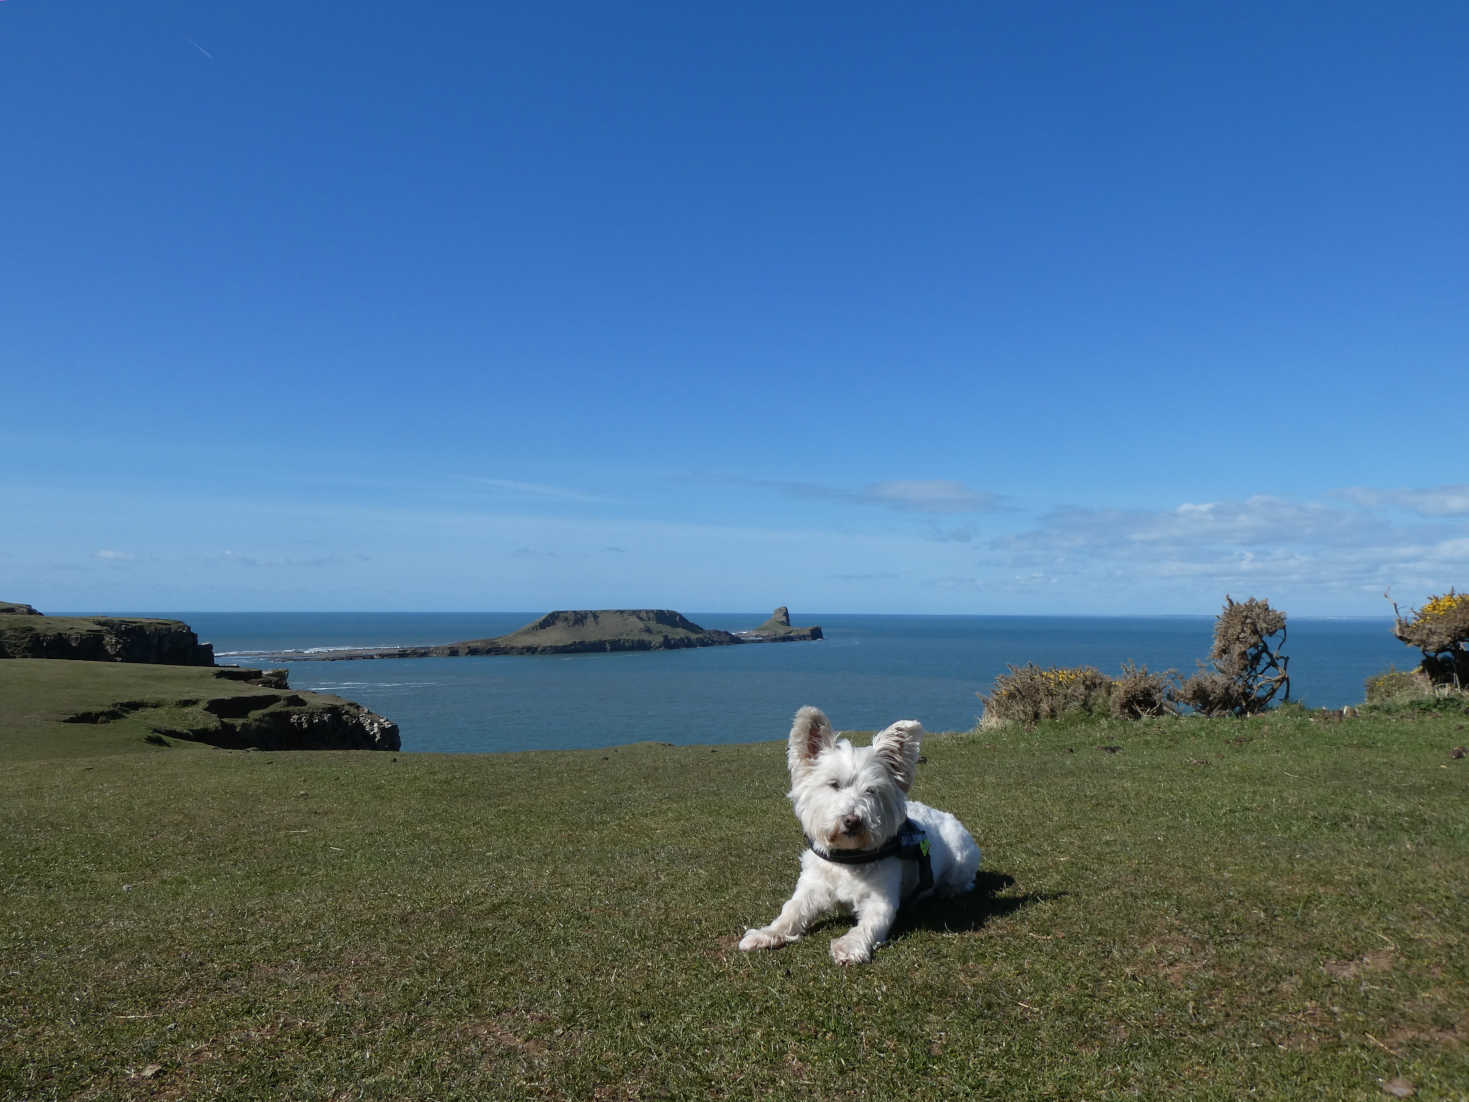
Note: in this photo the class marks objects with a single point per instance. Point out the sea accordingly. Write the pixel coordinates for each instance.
(867, 672)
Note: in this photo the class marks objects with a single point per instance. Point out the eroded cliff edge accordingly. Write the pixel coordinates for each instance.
(224, 706)
(155, 677)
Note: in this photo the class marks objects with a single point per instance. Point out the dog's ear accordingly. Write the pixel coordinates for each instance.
(811, 736)
(897, 749)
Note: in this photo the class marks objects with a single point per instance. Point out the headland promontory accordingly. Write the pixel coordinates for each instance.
(588, 631)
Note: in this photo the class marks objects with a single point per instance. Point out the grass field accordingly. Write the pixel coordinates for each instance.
(1273, 908)
(52, 709)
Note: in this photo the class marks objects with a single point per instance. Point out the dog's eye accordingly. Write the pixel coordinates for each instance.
(832, 784)
(869, 792)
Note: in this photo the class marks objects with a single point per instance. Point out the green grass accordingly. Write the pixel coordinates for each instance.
(138, 700)
(1273, 907)
(37, 695)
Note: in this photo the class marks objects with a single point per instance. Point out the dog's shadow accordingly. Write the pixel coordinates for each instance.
(970, 911)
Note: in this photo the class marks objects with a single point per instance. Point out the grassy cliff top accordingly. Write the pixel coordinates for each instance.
(14, 614)
(55, 709)
(26, 633)
(1203, 908)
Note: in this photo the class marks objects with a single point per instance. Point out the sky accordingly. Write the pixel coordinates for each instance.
(1045, 308)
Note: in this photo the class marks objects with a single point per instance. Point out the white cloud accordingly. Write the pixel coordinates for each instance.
(1439, 501)
(1258, 521)
(1258, 544)
(109, 555)
(934, 496)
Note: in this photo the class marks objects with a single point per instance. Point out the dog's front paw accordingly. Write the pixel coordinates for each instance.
(851, 948)
(762, 939)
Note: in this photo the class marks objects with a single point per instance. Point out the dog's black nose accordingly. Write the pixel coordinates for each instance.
(851, 823)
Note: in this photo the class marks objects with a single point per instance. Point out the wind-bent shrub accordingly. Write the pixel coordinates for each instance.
(1029, 694)
(1395, 685)
(1248, 671)
(1248, 666)
(1440, 629)
(1136, 693)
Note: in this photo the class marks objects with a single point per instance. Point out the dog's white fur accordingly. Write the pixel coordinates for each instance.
(855, 798)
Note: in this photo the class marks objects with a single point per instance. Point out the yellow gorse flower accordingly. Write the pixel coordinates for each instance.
(1438, 606)
(1055, 677)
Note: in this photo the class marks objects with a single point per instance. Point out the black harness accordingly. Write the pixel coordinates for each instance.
(910, 843)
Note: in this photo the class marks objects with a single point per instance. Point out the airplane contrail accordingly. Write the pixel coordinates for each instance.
(201, 49)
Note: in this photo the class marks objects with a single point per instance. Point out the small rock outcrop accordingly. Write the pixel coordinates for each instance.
(293, 721)
(778, 629)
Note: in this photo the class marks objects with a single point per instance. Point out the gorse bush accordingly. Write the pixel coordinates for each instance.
(1248, 667)
(1414, 691)
(1136, 693)
(1396, 685)
(1248, 671)
(1029, 694)
(1440, 629)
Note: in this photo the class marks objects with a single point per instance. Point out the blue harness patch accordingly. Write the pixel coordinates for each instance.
(910, 843)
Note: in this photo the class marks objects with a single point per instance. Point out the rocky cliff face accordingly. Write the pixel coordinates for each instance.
(25, 633)
(294, 721)
(243, 709)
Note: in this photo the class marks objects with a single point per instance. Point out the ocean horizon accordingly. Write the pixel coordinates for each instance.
(867, 672)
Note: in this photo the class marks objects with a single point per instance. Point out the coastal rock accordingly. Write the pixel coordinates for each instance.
(778, 629)
(233, 708)
(266, 679)
(286, 719)
(573, 631)
(100, 639)
(306, 721)
(584, 631)
(11, 608)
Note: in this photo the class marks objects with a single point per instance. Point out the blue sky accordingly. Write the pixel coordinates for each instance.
(968, 308)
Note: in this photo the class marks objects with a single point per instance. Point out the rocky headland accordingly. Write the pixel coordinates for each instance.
(26, 633)
(154, 677)
(591, 631)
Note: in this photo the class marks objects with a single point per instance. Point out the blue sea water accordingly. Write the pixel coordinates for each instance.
(867, 672)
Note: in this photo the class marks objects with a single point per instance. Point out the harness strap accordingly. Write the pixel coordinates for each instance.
(910, 843)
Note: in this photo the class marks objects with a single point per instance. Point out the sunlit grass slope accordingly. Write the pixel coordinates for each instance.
(1170, 909)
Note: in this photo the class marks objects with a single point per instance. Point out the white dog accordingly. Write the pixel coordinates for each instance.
(868, 848)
